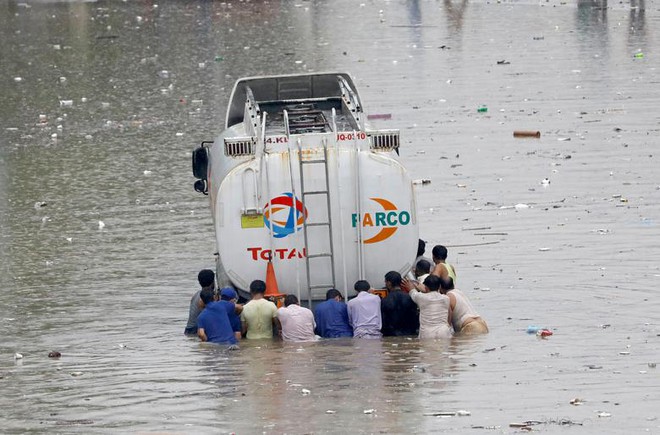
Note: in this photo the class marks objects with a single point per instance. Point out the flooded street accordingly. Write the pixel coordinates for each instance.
(102, 235)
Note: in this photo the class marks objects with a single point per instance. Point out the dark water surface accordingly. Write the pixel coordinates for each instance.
(103, 101)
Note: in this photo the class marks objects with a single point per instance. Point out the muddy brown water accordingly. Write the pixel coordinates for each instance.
(127, 89)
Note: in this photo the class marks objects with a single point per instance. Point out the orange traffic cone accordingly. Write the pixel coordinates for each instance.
(272, 291)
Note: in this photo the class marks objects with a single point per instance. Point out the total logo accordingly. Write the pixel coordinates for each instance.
(386, 222)
(284, 215)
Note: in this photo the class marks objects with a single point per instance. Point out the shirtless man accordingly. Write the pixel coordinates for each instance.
(442, 269)
(464, 317)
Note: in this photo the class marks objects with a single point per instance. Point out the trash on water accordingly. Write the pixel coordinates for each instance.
(503, 62)
(54, 354)
(463, 413)
(146, 172)
(305, 392)
(380, 116)
(39, 204)
(520, 206)
(544, 249)
(577, 401)
(482, 109)
(594, 367)
(18, 79)
(652, 365)
(369, 411)
(544, 333)
(422, 181)
(330, 411)
(101, 225)
(76, 374)
(639, 55)
(604, 414)
(441, 414)
(527, 133)
(18, 355)
(624, 353)
(531, 329)
(545, 182)
(66, 103)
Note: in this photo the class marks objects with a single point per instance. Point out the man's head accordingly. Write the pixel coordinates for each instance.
(206, 278)
(362, 286)
(392, 279)
(207, 295)
(257, 287)
(432, 283)
(333, 293)
(290, 300)
(421, 248)
(447, 285)
(439, 253)
(422, 268)
(228, 294)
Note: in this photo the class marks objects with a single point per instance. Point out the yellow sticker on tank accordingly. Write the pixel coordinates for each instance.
(252, 220)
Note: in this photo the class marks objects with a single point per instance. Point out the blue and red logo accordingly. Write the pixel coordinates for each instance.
(284, 215)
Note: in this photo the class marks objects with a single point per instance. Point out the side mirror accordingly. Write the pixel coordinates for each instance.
(200, 162)
(201, 186)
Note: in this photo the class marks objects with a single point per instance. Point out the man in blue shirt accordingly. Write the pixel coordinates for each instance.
(213, 322)
(229, 297)
(331, 316)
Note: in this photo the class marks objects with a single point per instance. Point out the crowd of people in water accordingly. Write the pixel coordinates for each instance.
(425, 303)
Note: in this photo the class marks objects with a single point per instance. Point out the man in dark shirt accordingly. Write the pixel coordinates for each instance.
(206, 279)
(331, 316)
(400, 316)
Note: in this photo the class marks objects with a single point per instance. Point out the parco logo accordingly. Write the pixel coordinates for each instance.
(387, 221)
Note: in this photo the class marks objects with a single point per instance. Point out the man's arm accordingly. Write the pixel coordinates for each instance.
(238, 308)
(201, 334)
(244, 326)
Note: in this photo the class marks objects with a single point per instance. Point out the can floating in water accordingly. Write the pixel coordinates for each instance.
(524, 133)
(544, 333)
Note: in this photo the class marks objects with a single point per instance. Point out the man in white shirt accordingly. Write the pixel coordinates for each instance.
(364, 312)
(296, 323)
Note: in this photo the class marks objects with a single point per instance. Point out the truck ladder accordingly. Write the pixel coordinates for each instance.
(328, 224)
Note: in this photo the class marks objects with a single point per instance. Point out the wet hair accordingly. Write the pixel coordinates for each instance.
(290, 300)
(332, 293)
(421, 247)
(423, 266)
(432, 282)
(394, 278)
(447, 284)
(206, 277)
(207, 295)
(439, 252)
(257, 286)
(362, 286)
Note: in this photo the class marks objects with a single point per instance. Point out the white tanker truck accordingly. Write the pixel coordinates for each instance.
(300, 180)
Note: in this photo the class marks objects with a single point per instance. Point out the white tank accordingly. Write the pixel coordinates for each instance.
(299, 178)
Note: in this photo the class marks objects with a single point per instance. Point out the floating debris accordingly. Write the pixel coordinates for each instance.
(369, 411)
(101, 225)
(54, 354)
(527, 133)
(604, 414)
(18, 355)
(305, 392)
(422, 181)
(576, 402)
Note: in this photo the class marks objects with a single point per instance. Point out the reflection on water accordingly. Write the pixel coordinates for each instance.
(103, 102)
